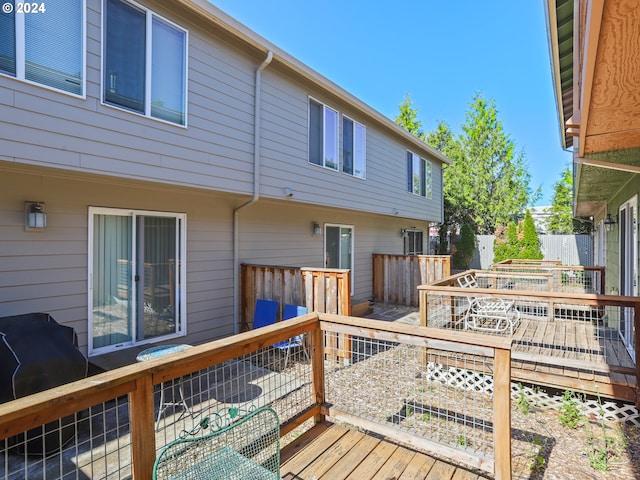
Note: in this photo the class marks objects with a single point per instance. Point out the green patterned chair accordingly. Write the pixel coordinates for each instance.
(238, 446)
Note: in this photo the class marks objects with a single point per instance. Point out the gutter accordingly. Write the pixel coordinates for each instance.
(256, 187)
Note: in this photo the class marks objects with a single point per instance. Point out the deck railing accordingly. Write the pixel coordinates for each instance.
(578, 332)
(396, 277)
(426, 387)
(570, 279)
(326, 290)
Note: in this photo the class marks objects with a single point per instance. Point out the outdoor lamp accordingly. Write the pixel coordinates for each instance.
(317, 229)
(35, 217)
(609, 223)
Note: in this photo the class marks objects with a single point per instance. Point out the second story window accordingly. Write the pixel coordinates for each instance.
(354, 149)
(145, 61)
(418, 175)
(44, 43)
(323, 135)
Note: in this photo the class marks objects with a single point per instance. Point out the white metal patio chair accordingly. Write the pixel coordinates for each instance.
(488, 314)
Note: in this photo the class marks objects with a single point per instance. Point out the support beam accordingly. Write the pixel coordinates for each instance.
(609, 165)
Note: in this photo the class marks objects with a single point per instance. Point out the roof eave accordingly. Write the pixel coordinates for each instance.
(232, 27)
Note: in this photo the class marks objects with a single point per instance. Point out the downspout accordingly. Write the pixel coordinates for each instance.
(256, 186)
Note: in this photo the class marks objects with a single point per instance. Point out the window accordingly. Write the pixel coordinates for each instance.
(323, 135)
(46, 47)
(353, 147)
(145, 60)
(136, 277)
(418, 175)
(412, 242)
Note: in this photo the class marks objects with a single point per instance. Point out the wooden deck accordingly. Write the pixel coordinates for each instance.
(331, 452)
(580, 355)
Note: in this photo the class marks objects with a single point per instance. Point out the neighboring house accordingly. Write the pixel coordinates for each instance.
(596, 67)
(167, 144)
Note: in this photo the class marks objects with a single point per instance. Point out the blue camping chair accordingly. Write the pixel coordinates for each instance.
(265, 314)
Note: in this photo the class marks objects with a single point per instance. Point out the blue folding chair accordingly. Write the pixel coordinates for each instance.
(292, 311)
(265, 313)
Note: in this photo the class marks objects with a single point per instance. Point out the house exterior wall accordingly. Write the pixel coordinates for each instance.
(215, 150)
(612, 248)
(280, 233)
(74, 153)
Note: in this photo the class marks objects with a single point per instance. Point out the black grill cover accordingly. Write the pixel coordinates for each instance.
(37, 353)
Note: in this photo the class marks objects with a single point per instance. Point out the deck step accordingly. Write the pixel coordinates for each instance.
(360, 307)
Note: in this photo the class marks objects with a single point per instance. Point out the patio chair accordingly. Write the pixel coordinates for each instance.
(488, 314)
(238, 447)
(266, 313)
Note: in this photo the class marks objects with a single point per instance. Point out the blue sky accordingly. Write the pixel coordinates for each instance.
(440, 52)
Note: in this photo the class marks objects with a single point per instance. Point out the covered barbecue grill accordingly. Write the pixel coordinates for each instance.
(37, 353)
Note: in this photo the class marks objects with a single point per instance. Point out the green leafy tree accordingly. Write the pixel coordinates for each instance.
(488, 180)
(465, 247)
(517, 241)
(561, 220)
(529, 242)
(408, 118)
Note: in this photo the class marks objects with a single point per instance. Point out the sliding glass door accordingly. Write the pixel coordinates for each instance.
(136, 269)
(628, 221)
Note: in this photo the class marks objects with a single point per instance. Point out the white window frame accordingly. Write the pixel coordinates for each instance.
(20, 45)
(425, 187)
(355, 160)
(335, 131)
(181, 329)
(150, 14)
(409, 241)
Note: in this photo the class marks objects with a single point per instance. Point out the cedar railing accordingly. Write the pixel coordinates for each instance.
(114, 434)
(396, 277)
(571, 279)
(326, 290)
(571, 340)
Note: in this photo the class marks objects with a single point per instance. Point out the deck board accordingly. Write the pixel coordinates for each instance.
(333, 452)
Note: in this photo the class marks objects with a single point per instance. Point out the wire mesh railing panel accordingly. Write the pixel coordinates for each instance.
(587, 334)
(442, 396)
(91, 444)
(513, 281)
(266, 377)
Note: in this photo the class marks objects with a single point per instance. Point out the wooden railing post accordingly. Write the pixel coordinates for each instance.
(502, 413)
(143, 435)
(317, 369)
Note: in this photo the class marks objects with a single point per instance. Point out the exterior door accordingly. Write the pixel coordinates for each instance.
(338, 247)
(136, 263)
(628, 267)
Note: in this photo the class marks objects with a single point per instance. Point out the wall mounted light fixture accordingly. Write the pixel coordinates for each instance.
(610, 223)
(316, 229)
(35, 218)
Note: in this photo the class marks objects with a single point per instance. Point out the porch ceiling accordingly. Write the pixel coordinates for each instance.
(595, 184)
(599, 107)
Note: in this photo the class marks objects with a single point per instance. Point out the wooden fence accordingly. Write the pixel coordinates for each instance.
(323, 290)
(396, 277)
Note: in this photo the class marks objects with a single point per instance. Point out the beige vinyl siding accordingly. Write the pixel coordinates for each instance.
(279, 233)
(47, 271)
(215, 151)
(285, 161)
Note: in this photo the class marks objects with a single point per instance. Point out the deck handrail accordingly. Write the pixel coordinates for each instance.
(138, 380)
(448, 288)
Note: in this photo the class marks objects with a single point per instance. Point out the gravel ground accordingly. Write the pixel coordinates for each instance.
(543, 448)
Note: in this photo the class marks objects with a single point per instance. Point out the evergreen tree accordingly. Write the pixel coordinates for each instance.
(561, 220)
(465, 247)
